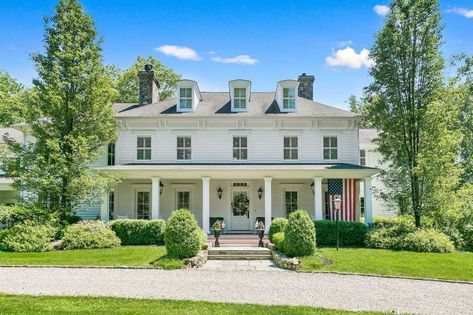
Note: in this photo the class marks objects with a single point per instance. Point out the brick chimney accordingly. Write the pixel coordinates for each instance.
(149, 86)
(306, 86)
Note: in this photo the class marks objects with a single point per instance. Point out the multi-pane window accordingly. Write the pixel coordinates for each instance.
(289, 98)
(290, 201)
(239, 98)
(363, 157)
(290, 148)
(240, 148)
(111, 154)
(142, 205)
(143, 148)
(111, 205)
(183, 200)
(330, 148)
(185, 98)
(362, 205)
(184, 150)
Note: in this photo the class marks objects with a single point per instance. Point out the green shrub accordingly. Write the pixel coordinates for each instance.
(139, 232)
(11, 215)
(351, 233)
(277, 225)
(278, 241)
(27, 237)
(428, 240)
(388, 233)
(299, 234)
(182, 236)
(89, 234)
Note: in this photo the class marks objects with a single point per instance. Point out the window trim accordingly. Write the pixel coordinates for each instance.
(244, 98)
(239, 148)
(144, 148)
(184, 148)
(111, 153)
(290, 147)
(330, 148)
(363, 158)
(297, 199)
(289, 109)
(186, 109)
(177, 198)
(137, 191)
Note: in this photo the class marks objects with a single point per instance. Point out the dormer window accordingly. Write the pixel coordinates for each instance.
(289, 98)
(240, 94)
(239, 98)
(185, 98)
(286, 95)
(188, 95)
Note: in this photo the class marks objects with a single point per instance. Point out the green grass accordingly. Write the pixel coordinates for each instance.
(166, 262)
(451, 266)
(22, 304)
(141, 256)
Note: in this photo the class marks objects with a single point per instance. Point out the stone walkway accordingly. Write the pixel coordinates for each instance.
(241, 265)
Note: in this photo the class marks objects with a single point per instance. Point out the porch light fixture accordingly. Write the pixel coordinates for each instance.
(260, 192)
(219, 192)
(161, 187)
(312, 186)
(337, 202)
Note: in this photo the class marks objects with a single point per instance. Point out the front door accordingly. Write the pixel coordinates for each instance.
(240, 208)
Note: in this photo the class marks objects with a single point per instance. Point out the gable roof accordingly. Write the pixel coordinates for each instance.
(217, 104)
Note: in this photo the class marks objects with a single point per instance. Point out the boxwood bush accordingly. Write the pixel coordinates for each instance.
(11, 215)
(278, 241)
(27, 237)
(182, 235)
(428, 240)
(277, 225)
(351, 233)
(89, 234)
(299, 234)
(139, 232)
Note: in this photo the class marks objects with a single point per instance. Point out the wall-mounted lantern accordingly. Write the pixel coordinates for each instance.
(161, 187)
(260, 192)
(219, 192)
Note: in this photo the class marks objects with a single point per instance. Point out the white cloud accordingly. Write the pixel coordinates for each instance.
(244, 59)
(179, 52)
(349, 58)
(211, 52)
(344, 43)
(381, 9)
(461, 11)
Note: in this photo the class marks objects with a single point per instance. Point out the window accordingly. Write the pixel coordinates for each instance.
(290, 148)
(143, 148)
(240, 148)
(291, 201)
(239, 98)
(184, 151)
(142, 205)
(111, 204)
(362, 206)
(330, 148)
(111, 154)
(184, 200)
(363, 157)
(185, 98)
(289, 98)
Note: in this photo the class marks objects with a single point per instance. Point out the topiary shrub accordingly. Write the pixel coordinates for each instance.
(278, 241)
(299, 234)
(182, 236)
(89, 234)
(428, 240)
(277, 225)
(27, 237)
(139, 232)
(351, 233)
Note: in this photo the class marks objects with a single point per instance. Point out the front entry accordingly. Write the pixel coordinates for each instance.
(240, 210)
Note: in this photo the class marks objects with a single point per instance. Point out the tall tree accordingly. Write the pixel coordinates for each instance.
(14, 98)
(127, 81)
(360, 106)
(407, 74)
(71, 118)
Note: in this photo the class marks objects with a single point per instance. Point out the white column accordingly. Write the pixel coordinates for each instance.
(104, 208)
(205, 204)
(318, 198)
(155, 198)
(267, 203)
(368, 201)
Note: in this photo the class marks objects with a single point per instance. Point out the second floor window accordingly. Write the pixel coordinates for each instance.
(290, 148)
(330, 148)
(111, 154)
(240, 148)
(185, 98)
(143, 148)
(289, 98)
(239, 98)
(363, 157)
(184, 151)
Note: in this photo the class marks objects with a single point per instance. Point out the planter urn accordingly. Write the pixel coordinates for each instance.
(217, 235)
(261, 235)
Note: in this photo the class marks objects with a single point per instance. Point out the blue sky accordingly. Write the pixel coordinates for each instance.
(216, 41)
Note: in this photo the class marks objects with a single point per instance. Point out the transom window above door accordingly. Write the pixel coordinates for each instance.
(330, 148)
(240, 148)
(142, 205)
(143, 148)
(291, 149)
(239, 98)
(183, 200)
(184, 148)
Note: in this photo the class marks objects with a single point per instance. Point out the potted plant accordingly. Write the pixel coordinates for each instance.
(217, 227)
(260, 229)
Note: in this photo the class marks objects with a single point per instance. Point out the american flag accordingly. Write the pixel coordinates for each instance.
(346, 189)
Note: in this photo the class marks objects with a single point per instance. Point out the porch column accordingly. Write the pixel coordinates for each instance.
(368, 200)
(267, 203)
(318, 198)
(155, 198)
(205, 204)
(104, 208)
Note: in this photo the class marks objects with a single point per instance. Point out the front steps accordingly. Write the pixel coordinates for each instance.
(248, 252)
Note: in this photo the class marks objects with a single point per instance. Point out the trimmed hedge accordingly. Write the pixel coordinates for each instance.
(277, 225)
(351, 233)
(428, 240)
(278, 241)
(299, 234)
(182, 235)
(139, 232)
(27, 237)
(89, 234)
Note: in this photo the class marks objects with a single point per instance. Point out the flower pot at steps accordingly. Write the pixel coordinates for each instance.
(261, 235)
(217, 235)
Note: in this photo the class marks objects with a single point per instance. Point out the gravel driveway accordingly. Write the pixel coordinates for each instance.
(262, 287)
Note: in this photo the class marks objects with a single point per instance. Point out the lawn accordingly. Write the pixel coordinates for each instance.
(452, 266)
(22, 304)
(134, 256)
